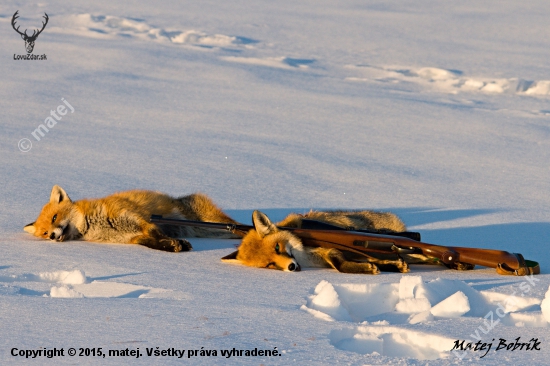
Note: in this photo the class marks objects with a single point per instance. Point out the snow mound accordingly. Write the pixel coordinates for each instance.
(65, 291)
(545, 305)
(397, 303)
(276, 62)
(407, 285)
(75, 284)
(346, 302)
(74, 277)
(101, 289)
(531, 320)
(422, 317)
(407, 303)
(381, 308)
(447, 81)
(510, 303)
(413, 301)
(454, 306)
(327, 301)
(438, 290)
(107, 26)
(412, 306)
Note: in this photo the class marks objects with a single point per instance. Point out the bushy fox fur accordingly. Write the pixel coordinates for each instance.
(267, 246)
(123, 217)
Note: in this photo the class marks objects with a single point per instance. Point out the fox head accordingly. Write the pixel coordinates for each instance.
(55, 221)
(266, 246)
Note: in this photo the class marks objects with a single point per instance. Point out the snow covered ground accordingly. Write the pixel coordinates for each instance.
(438, 111)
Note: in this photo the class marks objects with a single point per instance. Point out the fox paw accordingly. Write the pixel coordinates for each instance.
(184, 246)
(375, 270)
(461, 266)
(368, 268)
(402, 266)
(175, 245)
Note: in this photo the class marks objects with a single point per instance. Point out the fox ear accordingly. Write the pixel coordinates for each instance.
(58, 194)
(262, 224)
(30, 228)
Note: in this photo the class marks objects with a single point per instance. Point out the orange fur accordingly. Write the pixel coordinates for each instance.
(267, 246)
(124, 218)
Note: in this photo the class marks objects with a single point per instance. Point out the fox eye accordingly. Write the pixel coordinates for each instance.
(277, 249)
(54, 218)
(46, 233)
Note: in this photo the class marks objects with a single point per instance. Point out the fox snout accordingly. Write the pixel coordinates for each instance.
(294, 267)
(284, 262)
(58, 234)
(291, 265)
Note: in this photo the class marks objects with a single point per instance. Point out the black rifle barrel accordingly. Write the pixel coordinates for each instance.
(157, 219)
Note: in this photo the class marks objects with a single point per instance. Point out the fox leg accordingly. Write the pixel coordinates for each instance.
(154, 239)
(391, 264)
(336, 259)
(166, 244)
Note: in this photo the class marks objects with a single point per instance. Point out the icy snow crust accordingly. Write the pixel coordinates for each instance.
(437, 111)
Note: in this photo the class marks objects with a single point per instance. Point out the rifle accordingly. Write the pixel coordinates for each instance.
(319, 234)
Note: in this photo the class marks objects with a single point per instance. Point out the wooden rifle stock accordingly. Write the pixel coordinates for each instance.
(366, 242)
(379, 243)
(403, 243)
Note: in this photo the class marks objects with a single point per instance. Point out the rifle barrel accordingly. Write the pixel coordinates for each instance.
(157, 219)
(366, 242)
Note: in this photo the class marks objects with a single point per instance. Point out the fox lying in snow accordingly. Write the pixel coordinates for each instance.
(123, 217)
(267, 246)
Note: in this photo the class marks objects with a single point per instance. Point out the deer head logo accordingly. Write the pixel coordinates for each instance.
(29, 40)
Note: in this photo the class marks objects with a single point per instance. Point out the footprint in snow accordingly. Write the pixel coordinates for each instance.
(108, 26)
(75, 284)
(446, 81)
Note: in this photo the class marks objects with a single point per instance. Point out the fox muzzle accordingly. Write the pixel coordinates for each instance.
(294, 267)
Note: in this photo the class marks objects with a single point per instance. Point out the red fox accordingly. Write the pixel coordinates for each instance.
(123, 217)
(267, 246)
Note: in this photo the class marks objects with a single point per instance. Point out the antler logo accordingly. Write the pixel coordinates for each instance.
(29, 40)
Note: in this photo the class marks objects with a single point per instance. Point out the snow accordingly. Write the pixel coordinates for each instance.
(545, 306)
(75, 277)
(437, 111)
(377, 306)
(450, 81)
(392, 342)
(411, 305)
(454, 306)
